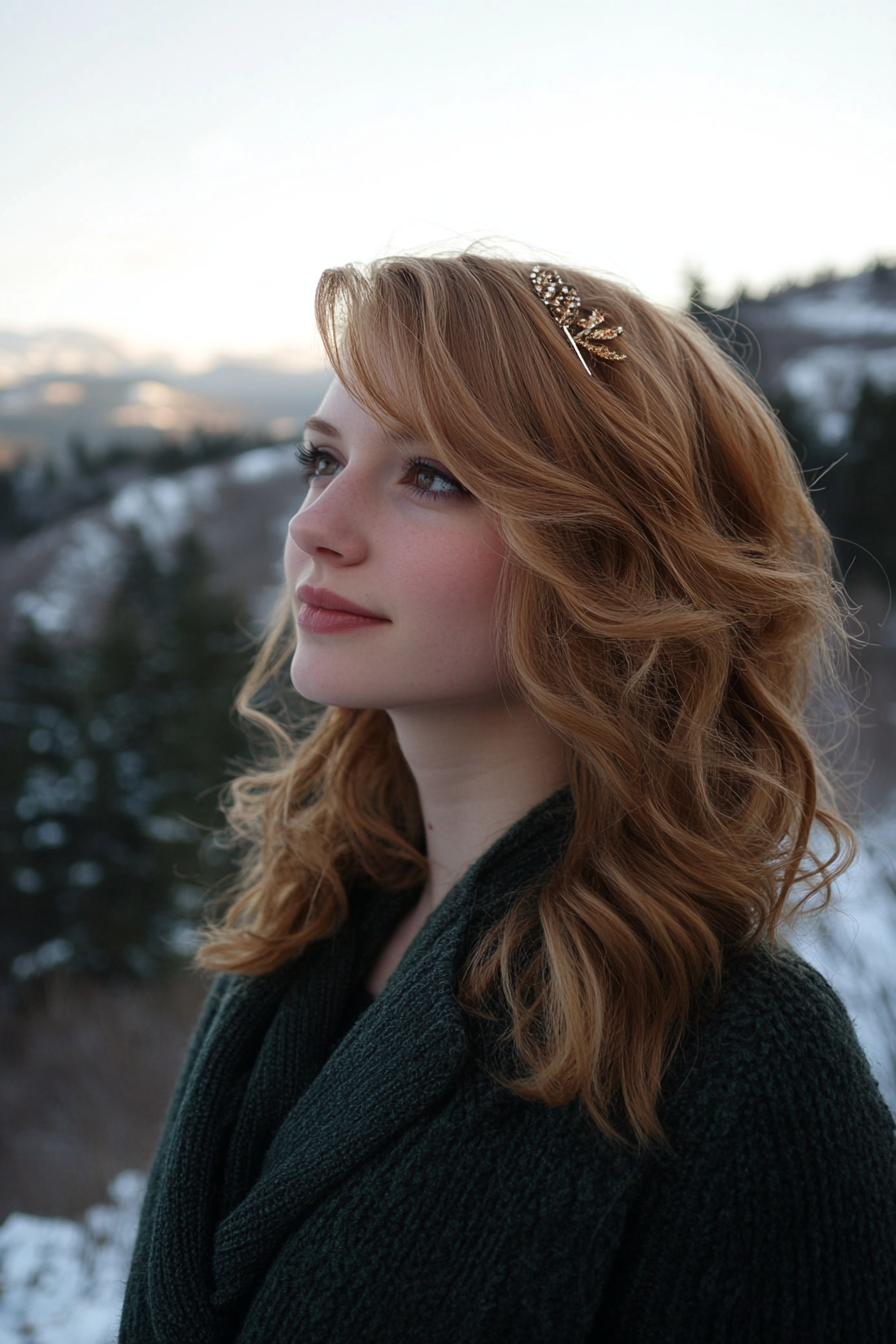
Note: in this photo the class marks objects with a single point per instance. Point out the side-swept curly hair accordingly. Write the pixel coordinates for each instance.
(667, 606)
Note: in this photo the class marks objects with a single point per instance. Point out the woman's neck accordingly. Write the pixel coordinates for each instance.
(478, 769)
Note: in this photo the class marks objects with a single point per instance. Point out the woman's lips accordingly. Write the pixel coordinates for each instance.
(323, 612)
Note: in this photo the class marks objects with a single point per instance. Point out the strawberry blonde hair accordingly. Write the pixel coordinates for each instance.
(667, 608)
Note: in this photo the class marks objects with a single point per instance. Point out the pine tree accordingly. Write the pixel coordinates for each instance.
(114, 756)
(869, 499)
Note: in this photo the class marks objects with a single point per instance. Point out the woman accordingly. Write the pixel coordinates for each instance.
(506, 1048)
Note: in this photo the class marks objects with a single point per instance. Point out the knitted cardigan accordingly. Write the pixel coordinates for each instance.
(389, 1191)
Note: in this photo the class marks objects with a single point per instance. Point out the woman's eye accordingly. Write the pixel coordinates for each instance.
(428, 480)
(316, 463)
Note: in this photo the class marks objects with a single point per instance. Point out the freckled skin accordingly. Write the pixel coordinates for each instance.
(428, 562)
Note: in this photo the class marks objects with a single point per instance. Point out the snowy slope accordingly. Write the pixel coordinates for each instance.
(827, 381)
(61, 576)
(820, 342)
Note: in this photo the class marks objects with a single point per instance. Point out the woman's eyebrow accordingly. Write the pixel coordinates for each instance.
(318, 426)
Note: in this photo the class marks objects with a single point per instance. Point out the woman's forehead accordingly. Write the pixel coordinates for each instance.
(341, 413)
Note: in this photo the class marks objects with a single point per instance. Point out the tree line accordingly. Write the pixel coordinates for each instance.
(34, 493)
(854, 488)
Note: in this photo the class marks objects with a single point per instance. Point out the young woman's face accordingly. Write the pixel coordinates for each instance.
(393, 571)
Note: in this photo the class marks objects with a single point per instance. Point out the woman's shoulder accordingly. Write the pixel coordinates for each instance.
(789, 1001)
(773, 1203)
(776, 989)
(774, 1063)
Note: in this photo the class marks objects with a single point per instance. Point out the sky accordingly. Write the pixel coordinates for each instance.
(178, 174)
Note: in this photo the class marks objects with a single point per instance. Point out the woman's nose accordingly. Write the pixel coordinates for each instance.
(329, 528)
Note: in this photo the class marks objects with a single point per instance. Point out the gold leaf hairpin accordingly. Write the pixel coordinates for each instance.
(563, 303)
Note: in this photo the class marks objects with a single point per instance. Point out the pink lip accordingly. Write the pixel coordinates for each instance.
(323, 612)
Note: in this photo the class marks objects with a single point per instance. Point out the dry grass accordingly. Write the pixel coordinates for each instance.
(85, 1075)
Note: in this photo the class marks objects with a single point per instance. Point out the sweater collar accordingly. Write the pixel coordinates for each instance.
(396, 1062)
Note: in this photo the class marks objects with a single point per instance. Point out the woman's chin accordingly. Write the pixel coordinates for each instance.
(322, 689)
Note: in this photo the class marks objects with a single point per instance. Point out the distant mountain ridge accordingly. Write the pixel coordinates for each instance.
(815, 344)
(61, 382)
(68, 352)
(41, 415)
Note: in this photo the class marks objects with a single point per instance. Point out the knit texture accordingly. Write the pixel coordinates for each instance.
(383, 1188)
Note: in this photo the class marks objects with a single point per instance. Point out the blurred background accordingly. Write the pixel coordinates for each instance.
(174, 178)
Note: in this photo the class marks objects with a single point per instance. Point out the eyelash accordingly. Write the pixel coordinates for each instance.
(308, 457)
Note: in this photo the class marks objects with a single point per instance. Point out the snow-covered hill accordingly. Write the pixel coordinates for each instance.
(60, 576)
(820, 342)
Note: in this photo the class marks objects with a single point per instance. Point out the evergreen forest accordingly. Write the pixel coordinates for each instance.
(113, 757)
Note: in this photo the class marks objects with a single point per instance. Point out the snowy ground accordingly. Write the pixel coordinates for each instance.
(61, 1282)
(853, 944)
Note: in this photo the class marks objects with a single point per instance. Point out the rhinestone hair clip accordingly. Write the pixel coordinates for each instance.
(564, 305)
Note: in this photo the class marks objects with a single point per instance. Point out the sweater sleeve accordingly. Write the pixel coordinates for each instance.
(773, 1218)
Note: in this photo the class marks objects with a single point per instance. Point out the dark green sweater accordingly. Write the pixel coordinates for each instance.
(389, 1190)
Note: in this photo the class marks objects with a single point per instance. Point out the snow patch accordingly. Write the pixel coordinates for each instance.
(853, 944)
(73, 590)
(840, 315)
(260, 464)
(80, 579)
(853, 307)
(63, 1282)
(76, 579)
(828, 381)
(163, 509)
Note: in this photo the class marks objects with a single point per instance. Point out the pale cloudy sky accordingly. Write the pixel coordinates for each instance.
(179, 173)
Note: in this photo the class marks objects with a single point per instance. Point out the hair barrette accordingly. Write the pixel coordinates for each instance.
(563, 303)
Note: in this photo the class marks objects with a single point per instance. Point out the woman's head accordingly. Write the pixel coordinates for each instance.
(659, 537)
(666, 598)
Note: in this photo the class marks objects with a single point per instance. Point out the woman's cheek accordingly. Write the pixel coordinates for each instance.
(463, 574)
